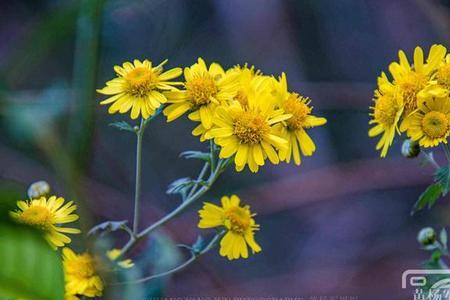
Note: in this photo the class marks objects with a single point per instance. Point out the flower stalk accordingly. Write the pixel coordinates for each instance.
(137, 190)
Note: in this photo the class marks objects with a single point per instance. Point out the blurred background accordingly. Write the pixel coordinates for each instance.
(338, 225)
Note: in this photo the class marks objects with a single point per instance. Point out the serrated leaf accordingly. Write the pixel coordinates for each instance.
(442, 176)
(180, 186)
(443, 237)
(107, 227)
(205, 156)
(428, 197)
(30, 269)
(122, 125)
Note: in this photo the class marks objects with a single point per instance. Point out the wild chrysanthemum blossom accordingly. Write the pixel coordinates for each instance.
(205, 89)
(47, 216)
(238, 222)
(430, 123)
(386, 113)
(138, 87)
(443, 73)
(247, 131)
(411, 79)
(80, 275)
(293, 130)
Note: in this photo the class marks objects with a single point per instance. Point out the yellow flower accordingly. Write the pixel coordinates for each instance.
(411, 79)
(113, 254)
(430, 124)
(443, 73)
(47, 216)
(247, 131)
(386, 113)
(238, 222)
(80, 275)
(206, 88)
(138, 87)
(293, 129)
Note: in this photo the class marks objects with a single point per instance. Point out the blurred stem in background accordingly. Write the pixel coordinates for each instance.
(84, 79)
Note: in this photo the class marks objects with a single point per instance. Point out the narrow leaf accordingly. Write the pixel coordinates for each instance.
(196, 155)
(442, 176)
(180, 186)
(443, 237)
(122, 125)
(107, 227)
(428, 197)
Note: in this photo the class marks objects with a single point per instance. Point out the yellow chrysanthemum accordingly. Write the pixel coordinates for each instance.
(386, 113)
(430, 123)
(293, 130)
(411, 79)
(47, 216)
(80, 275)
(248, 131)
(443, 73)
(138, 87)
(113, 254)
(205, 89)
(238, 222)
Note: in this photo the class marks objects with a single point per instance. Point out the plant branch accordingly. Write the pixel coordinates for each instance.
(137, 190)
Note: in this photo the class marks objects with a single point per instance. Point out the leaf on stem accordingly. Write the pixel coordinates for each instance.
(199, 245)
(109, 226)
(122, 125)
(442, 176)
(180, 186)
(205, 156)
(443, 237)
(428, 197)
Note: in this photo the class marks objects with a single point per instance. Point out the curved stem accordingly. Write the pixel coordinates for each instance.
(137, 190)
(199, 178)
(430, 159)
(194, 257)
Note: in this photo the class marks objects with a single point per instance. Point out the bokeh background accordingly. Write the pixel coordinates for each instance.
(338, 225)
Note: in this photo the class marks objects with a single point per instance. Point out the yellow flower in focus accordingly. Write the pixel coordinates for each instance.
(47, 216)
(293, 130)
(430, 124)
(238, 222)
(80, 275)
(385, 114)
(443, 73)
(248, 132)
(138, 87)
(205, 89)
(113, 254)
(411, 79)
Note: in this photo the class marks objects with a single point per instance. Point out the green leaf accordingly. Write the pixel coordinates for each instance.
(107, 227)
(180, 186)
(29, 267)
(428, 197)
(436, 256)
(442, 176)
(199, 245)
(196, 155)
(122, 125)
(443, 237)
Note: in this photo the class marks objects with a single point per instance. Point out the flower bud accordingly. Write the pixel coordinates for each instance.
(38, 189)
(426, 236)
(410, 149)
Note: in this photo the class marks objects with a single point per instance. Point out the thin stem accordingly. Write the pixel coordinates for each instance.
(194, 257)
(199, 178)
(430, 159)
(137, 190)
(447, 151)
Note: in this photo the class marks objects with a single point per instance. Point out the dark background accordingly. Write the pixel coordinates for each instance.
(339, 224)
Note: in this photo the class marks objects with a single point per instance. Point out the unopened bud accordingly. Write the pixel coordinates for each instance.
(38, 189)
(410, 149)
(426, 236)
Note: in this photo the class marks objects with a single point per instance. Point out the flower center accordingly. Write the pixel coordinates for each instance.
(386, 110)
(411, 84)
(250, 127)
(201, 89)
(82, 267)
(443, 75)
(435, 124)
(239, 219)
(298, 107)
(37, 216)
(140, 81)
(241, 98)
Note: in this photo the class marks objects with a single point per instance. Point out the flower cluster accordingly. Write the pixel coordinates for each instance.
(251, 116)
(416, 101)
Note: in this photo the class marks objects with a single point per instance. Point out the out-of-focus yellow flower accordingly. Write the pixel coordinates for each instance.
(238, 222)
(47, 216)
(113, 254)
(248, 131)
(443, 73)
(386, 113)
(293, 130)
(80, 275)
(205, 89)
(430, 123)
(138, 87)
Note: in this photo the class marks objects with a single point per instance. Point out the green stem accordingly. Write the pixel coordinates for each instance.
(199, 178)
(137, 190)
(430, 159)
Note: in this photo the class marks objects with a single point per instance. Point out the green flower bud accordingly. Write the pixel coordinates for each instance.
(426, 236)
(410, 149)
(38, 189)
